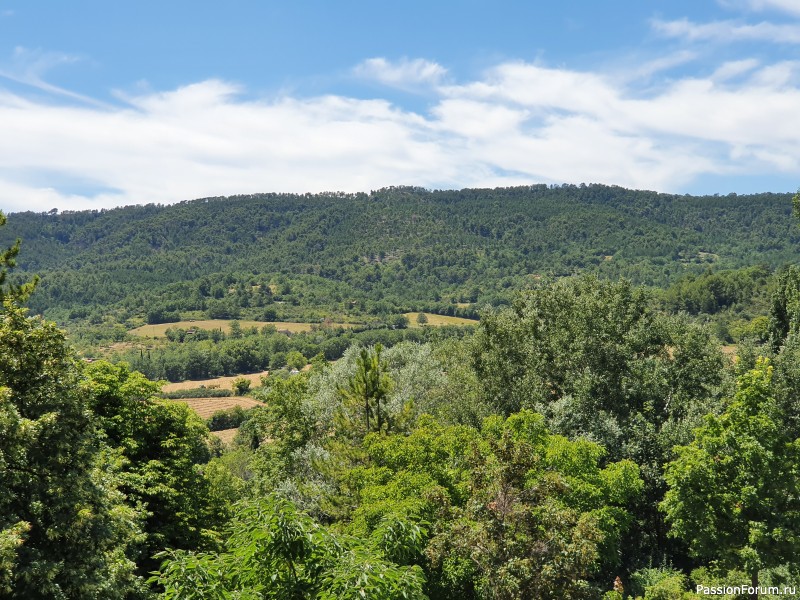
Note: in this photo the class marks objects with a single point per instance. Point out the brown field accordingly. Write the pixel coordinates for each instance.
(226, 435)
(438, 320)
(205, 407)
(159, 330)
(222, 383)
(156, 331)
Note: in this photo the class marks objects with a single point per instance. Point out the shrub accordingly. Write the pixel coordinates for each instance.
(241, 386)
(227, 418)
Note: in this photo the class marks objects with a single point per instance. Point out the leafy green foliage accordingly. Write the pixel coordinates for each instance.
(508, 512)
(599, 362)
(227, 418)
(15, 293)
(274, 551)
(661, 584)
(381, 254)
(733, 492)
(409, 469)
(785, 309)
(542, 516)
(64, 529)
(206, 356)
(594, 357)
(164, 445)
(241, 385)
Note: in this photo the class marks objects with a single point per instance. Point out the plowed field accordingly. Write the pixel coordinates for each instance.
(205, 407)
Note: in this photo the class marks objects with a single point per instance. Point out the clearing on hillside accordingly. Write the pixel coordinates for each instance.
(222, 383)
(156, 331)
(438, 320)
(206, 407)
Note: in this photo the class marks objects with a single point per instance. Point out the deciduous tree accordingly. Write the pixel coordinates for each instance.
(734, 494)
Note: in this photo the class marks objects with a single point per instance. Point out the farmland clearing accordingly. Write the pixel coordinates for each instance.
(206, 407)
(159, 330)
(437, 320)
(222, 383)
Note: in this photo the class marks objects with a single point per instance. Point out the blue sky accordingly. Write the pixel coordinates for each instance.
(105, 103)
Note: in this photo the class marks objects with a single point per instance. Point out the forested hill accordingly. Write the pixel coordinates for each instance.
(393, 250)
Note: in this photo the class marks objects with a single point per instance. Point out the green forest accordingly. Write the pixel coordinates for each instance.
(619, 422)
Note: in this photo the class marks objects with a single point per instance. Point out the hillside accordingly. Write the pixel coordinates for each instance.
(310, 257)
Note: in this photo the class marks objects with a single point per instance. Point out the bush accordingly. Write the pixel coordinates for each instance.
(201, 392)
(157, 316)
(660, 584)
(227, 419)
(241, 386)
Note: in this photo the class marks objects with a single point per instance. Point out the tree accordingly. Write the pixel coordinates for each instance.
(599, 362)
(398, 321)
(510, 511)
(422, 319)
(16, 293)
(785, 308)
(64, 526)
(734, 495)
(295, 360)
(164, 445)
(369, 386)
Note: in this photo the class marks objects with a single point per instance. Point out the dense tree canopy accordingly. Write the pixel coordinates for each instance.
(586, 439)
(394, 250)
(734, 493)
(64, 526)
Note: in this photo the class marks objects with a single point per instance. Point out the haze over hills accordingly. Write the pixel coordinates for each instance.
(391, 251)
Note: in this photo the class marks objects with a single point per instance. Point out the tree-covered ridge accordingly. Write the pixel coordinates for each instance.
(390, 251)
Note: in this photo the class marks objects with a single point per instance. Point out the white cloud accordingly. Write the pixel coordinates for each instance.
(789, 6)
(729, 31)
(517, 123)
(402, 74)
(732, 69)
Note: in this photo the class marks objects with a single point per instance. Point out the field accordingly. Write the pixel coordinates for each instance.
(226, 435)
(438, 320)
(205, 407)
(157, 331)
(222, 383)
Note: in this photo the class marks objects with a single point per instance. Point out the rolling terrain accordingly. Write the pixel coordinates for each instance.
(342, 257)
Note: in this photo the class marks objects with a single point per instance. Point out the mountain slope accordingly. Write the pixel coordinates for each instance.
(393, 250)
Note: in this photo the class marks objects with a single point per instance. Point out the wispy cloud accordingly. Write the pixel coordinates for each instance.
(402, 74)
(788, 6)
(29, 67)
(729, 31)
